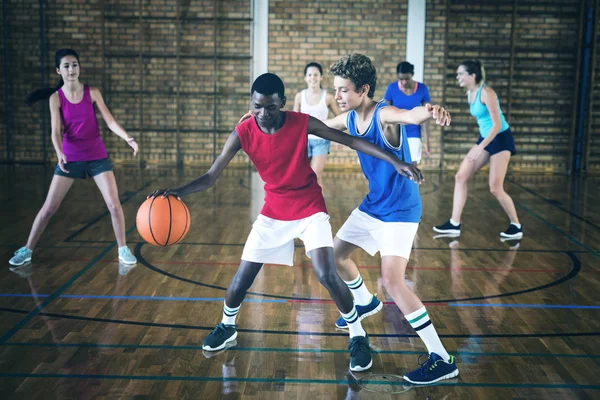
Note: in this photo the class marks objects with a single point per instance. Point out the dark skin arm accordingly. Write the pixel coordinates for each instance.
(318, 128)
(207, 180)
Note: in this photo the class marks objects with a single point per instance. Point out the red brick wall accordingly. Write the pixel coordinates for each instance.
(159, 77)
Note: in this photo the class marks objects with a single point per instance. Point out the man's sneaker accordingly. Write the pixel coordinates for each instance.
(363, 312)
(22, 256)
(512, 232)
(433, 370)
(219, 337)
(448, 227)
(360, 354)
(125, 256)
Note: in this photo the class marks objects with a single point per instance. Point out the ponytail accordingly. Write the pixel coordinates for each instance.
(45, 93)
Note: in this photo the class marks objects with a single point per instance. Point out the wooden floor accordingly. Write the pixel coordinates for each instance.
(520, 316)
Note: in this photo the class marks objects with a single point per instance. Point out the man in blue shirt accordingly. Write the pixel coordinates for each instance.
(407, 94)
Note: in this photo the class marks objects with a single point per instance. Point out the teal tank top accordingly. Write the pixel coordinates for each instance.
(482, 115)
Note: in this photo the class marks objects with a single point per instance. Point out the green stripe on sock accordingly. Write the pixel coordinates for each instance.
(349, 317)
(412, 321)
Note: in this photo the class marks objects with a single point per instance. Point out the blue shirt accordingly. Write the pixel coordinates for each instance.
(391, 197)
(395, 97)
(482, 115)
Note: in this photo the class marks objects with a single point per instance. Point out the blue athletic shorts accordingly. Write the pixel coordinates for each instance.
(318, 147)
(502, 142)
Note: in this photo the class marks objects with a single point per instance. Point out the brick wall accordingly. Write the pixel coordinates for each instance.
(304, 31)
(160, 78)
(593, 156)
(535, 98)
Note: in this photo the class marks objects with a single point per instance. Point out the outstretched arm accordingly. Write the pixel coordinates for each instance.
(318, 128)
(110, 120)
(416, 116)
(232, 146)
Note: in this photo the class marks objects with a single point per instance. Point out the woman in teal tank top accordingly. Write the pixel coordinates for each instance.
(495, 146)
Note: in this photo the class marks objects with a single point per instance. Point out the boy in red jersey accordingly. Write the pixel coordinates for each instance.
(276, 142)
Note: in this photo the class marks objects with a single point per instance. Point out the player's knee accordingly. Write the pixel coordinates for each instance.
(393, 282)
(113, 207)
(497, 190)
(461, 178)
(49, 209)
(327, 278)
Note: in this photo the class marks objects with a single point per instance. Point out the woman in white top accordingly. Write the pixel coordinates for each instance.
(317, 103)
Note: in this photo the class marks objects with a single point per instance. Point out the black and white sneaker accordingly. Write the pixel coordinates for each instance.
(512, 232)
(448, 227)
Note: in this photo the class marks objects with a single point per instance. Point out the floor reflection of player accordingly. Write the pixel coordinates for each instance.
(486, 283)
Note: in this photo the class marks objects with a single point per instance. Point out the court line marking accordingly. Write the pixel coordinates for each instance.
(550, 202)
(220, 299)
(38, 309)
(576, 267)
(292, 350)
(556, 228)
(129, 196)
(296, 381)
(302, 333)
(520, 250)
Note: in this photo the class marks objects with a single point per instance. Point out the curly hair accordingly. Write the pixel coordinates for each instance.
(359, 69)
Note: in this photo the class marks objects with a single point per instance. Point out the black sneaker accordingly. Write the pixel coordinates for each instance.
(219, 337)
(360, 354)
(448, 227)
(512, 232)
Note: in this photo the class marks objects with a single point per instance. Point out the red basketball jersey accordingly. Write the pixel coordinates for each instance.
(281, 159)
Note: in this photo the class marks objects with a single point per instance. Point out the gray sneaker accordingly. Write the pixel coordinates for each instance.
(22, 256)
(125, 256)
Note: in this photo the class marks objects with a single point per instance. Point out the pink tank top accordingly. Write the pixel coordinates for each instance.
(81, 135)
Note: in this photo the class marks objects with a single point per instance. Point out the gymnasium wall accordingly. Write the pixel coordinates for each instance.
(176, 74)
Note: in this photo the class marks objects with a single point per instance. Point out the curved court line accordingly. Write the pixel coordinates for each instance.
(289, 350)
(293, 381)
(576, 267)
(302, 333)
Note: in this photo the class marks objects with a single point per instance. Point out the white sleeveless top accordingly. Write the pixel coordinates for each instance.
(319, 111)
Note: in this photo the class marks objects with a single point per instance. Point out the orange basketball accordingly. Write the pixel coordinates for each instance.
(163, 221)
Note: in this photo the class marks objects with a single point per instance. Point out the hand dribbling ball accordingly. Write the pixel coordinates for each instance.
(163, 221)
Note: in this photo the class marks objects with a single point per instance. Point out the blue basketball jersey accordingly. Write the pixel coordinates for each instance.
(391, 197)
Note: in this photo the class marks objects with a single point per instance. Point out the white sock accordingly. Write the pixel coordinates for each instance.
(517, 225)
(421, 323)
(453, 222)
(359, 290)
(229, 314)
(354, 325)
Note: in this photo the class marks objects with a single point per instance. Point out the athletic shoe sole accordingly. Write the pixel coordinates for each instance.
(19, 264)
(358, 368)
(451, 375)
(374, 311)
(452, 231)
(515, 236)
(232, 338)
(127, 262)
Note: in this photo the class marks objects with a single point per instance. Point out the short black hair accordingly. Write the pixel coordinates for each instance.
(268, 84)
(405, 68)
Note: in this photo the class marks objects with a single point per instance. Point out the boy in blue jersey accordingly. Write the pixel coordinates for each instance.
(388, 218)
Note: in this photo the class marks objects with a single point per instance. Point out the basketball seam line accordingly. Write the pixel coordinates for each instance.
(150, 221)
(170, 222)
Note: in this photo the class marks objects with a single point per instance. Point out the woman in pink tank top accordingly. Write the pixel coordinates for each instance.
(79, 150)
